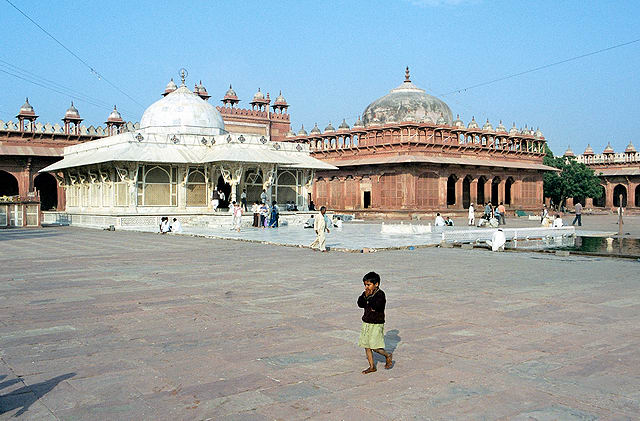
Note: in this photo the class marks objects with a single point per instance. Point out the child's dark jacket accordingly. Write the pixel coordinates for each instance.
(373, 307)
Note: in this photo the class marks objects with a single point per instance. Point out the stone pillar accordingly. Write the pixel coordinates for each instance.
(501, 188)
(608, 190)
(473, 191)
(409, 190)
(459, 204)
(181, 194)
(487, 190)
(442, 190)
(570, 202)
(631, 194)
(588, 203)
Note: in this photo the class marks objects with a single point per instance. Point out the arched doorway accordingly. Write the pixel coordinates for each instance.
(494, 191)
(507, 190)
(480, 190)
(600, 201)
(617, 191)
(226, 189)
(47, 186)
(637, 196)
(451, 190)
(8, 184)
(466, 192)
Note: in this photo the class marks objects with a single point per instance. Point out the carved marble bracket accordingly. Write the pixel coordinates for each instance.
(268, 174)
(73, 179)
(93, 177)
(232, 174)
(104, 175)
(123, 173)
(60, 179)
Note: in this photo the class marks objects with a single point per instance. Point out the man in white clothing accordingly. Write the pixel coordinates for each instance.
(439, 222)
(557, 222)
(498, 240)
(472, 215)
(320, 226)
(176, 226)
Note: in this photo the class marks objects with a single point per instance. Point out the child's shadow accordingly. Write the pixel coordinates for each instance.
(391, 340)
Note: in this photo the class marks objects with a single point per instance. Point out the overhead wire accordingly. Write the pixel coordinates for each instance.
(30, 77)
(535, 69)
(91, 68)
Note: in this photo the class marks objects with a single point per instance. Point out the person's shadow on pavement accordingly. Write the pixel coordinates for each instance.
(391, 340)
(26, 396)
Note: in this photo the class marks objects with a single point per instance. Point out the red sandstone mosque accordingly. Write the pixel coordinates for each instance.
(406, 156)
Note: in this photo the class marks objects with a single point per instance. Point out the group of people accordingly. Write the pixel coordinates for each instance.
(265, 216)
(555, 221)
(441, 221)
(166, 227)
(491, 215)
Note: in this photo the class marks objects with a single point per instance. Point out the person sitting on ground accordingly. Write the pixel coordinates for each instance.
(337, 222)
(164, 225)
(557, 222)
(449, 222)
(498, 240)
(176, 226)
(309, 222)
(439, 222)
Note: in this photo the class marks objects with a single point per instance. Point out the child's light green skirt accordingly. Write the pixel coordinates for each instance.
(371, 335)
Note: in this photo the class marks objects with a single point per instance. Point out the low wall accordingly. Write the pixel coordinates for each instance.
(124, 221)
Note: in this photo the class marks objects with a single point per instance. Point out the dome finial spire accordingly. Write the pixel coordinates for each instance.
(406, 75)
(183, 76)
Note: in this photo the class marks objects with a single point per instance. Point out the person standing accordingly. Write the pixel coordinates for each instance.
(373, 301)
(263, 196)
(578, 217)
(545, 213)
(320, 226)
(472, 215)
(264, 212)
(275, 215)
(256, 214)
(243, 199)
(215, 199)
(237, 216)
(501, 210)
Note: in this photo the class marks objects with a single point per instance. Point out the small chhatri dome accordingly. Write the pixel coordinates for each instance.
(514, 130)
(538, 134)
(458, 123)
(501, 128)
(316, 129)
(487, 126)
(630, 148)
(343, 125)
(358, 123)
(404, 103)
(200, 90)
(568, 152)
(588, 150)
(280, 100)
(290, 133)
(171, 86)
(473, 124)
(302, 131)
(72, 113)
(115, 116)
(231, 94)
(329, 128)
(608, 148)
(26, 109)
(258, 96)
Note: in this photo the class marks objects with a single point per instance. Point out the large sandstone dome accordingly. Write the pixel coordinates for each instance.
(182, 112)
(407, 102)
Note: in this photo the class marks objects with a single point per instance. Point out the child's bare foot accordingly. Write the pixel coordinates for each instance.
(389, 363)
(369, 370)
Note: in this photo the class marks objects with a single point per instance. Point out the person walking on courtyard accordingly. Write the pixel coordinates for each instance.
(371, 338)
(320, 226)
(237, 216)
(488, 210)
(472, 215)
(243, 200)
(545, 213)
(500, 212)
(578, 217)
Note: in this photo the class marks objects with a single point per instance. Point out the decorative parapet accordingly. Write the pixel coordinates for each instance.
(410, 133)
(48, 128)
(609, 158)
(242, 112)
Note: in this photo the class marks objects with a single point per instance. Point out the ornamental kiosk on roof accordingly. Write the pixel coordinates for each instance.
(178, 156)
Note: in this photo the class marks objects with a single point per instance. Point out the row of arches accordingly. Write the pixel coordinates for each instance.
(44, 183)
(494, 192)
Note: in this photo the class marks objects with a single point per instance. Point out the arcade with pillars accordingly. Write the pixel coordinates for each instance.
(427, 188)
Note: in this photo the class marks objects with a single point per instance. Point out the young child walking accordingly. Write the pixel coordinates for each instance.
(371, 339)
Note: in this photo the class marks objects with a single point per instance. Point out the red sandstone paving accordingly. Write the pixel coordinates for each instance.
(158, 327)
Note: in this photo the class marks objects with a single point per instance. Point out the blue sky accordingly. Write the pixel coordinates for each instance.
(332, 58)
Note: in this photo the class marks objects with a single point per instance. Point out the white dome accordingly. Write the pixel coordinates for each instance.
(182, 112)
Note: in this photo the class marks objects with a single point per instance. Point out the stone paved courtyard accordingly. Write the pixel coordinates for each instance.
(99, 325)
